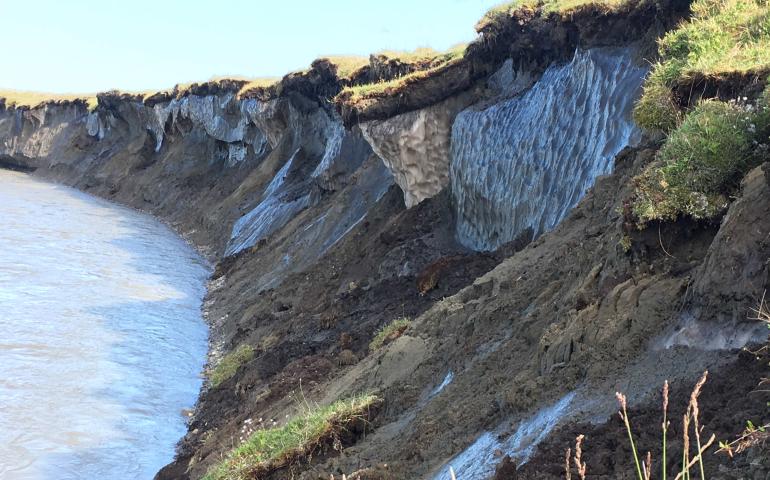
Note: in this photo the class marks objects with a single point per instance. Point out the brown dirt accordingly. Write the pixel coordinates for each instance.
(571, 311)
(725, 87)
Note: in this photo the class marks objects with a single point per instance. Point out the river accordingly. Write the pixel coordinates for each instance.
(102, 342)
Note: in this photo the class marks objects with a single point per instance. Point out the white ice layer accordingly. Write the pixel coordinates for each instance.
(478, 461)
(272, 213)
(525, 162)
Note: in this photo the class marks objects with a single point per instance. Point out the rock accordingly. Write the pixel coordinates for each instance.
(506, 469)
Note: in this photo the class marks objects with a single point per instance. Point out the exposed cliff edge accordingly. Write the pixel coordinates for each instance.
(485, 199)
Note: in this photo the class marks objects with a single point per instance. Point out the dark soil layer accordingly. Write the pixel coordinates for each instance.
(724, 87)
(730, 398)
(529, 38)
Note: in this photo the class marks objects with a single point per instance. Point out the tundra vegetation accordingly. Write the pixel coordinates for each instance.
(426, 62)
(500, 14)
(710, 145)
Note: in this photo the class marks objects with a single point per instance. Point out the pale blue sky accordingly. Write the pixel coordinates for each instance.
(94, 45)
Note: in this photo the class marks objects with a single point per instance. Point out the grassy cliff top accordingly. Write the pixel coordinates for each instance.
(508, 10)
(425, 62)
(21, 98)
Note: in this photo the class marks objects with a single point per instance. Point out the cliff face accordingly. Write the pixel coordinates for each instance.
(489, 212)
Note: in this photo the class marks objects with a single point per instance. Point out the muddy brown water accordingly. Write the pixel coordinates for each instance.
(102, 341)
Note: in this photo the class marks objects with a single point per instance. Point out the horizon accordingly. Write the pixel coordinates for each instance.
(140, 50)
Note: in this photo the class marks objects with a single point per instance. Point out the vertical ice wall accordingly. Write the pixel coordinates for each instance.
(525, 162)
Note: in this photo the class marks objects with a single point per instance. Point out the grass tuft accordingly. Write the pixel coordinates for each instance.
(703, 161)
(274, 448)
(347, 65)
(230, 364)
(258, 84)
(656, 108)
(389, 332)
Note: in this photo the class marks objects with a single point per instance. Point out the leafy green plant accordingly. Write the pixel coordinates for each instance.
(280, 446)
(230, 364)
(389, 333)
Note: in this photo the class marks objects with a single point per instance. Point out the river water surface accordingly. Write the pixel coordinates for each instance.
(101, 337)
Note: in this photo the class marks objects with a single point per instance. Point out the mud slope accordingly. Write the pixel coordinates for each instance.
(531, 298)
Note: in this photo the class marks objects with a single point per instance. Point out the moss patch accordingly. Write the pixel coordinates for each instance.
(389, 332)
(274, 448)
(230, 364)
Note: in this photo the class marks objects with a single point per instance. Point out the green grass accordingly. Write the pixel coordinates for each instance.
(722, 37)
(230, 364)
(389, 332)
(702, 161)
(23, 98)
(258, 83)
(710, 148)
(277, 447)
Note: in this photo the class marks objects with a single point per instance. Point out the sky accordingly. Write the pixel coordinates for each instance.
(81, 46)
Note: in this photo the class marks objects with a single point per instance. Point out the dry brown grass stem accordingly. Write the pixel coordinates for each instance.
(647, 466)
(567, 469)
(692, 462)
(579, 463)
(695, 418)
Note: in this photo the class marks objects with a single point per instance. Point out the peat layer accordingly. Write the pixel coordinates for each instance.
(327, 220)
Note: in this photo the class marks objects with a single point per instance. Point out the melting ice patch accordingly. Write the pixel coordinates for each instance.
(694, 333)
(478, 461)
(447, 380)
(525, 162)
(273, 212)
